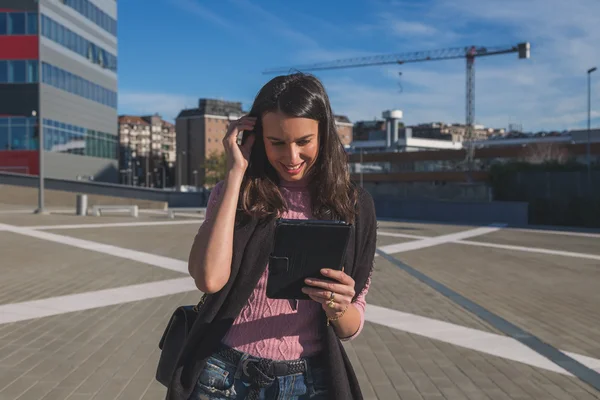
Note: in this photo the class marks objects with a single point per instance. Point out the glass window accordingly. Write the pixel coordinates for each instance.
(3, 71)
(4, 138)
(44, 25)
(60, 30)
(16, 71)
(52, 29)
(18, 137)
(93, 13)
(32, 71)
(32, 23)
(81, 45)
(3, 24)
(52, 78)
(16, 23)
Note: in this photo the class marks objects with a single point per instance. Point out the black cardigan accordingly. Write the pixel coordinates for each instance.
(252, 244)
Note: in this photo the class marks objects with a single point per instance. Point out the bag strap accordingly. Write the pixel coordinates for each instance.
(200, 303)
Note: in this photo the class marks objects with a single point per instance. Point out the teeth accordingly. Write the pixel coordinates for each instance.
(294, 168)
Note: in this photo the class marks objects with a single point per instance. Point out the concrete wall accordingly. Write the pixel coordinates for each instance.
(427, 191)
(173, 199)
(512, 213)
(27, 196)
(69, 166)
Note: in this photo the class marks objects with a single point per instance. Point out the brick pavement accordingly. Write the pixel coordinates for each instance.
(581, 244)
(556, 298)
(42, 269)
(422, 229)
(111, 352)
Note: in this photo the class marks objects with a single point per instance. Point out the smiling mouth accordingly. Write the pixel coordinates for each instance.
(293, 168)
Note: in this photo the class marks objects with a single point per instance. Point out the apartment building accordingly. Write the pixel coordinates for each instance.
(147, 152)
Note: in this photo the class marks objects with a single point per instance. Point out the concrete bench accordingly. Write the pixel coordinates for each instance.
(133, 210)
(183, 210)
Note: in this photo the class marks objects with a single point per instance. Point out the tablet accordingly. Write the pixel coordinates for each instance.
(302, 248)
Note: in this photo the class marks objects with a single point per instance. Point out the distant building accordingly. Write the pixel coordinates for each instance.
(452, 132)
(369, 130)
(344, 129)
(147, 150)
(200, 132)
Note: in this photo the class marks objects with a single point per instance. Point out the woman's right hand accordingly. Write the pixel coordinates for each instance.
(238, 156)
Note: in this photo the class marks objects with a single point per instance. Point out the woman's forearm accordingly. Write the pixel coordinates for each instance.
(211, 254)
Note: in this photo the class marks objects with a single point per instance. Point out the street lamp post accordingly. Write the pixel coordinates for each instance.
(38, 114)
(589, 127)
(40, 209)
(195, 178)
(179, 161)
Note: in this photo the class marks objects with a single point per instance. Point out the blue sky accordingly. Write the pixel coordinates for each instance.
(172, 52)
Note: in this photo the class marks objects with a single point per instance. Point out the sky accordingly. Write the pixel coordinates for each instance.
(173, 52)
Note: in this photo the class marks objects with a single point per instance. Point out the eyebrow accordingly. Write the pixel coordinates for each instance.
(299, 139)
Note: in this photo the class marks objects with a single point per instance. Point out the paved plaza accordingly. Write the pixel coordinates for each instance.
(84, 300)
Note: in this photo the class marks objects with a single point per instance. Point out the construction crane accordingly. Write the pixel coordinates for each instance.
(468, 53)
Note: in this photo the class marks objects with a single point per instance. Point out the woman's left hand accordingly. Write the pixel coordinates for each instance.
(335, 295)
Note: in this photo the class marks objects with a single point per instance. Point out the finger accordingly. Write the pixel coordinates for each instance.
(339, 276)
(235, 129)
(332, 287)
(233, 134)
(316, 298)
(325, 295)
(247, 146)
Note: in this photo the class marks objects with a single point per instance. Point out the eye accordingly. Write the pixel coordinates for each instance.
(303, 142)
(276, 143)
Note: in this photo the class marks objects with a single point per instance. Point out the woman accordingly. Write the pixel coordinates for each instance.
(291, 164)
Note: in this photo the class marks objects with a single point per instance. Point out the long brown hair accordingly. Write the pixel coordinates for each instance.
(333, 196)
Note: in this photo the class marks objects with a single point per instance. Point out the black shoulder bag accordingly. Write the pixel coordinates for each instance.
(173, 339)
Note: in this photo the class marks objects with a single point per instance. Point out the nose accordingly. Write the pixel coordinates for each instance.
(292, 155)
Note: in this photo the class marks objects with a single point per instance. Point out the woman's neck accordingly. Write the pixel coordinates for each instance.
(302, 183)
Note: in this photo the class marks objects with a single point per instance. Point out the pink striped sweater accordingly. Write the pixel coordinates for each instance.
(272, 328)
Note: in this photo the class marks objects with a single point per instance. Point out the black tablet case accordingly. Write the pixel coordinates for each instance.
(302, 248)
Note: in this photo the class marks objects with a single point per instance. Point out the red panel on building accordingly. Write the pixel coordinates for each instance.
(20, 162)
(19, 47)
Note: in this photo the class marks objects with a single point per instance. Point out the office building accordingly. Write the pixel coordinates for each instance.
(58, 66)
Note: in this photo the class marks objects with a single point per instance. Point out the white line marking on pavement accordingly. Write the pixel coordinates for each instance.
(147, 258)
(401, 235)
(488, 343)
(435, 241)
(115, 224)
(89, 300)
(589, 362)
(564, 233)
(474, 339)
(530, 249)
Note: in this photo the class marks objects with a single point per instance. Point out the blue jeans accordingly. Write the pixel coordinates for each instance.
(220, 380)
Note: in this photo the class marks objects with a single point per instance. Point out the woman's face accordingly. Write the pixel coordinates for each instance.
(291, 144)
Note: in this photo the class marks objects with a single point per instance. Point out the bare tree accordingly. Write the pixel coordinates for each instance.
(540, 153)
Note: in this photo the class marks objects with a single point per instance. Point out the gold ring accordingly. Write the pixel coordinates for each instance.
(331, 304)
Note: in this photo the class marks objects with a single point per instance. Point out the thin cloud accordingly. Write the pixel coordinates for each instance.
(272, 21)
(168, 105)
(195, 8)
